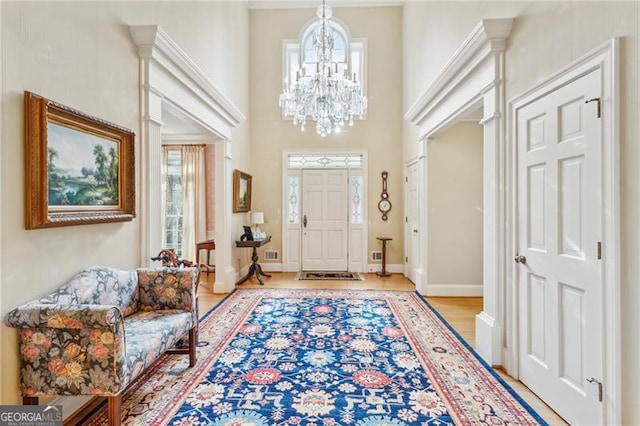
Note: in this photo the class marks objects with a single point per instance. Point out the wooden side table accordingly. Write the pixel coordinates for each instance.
(208, 246)
(383, 272)
(255, 267)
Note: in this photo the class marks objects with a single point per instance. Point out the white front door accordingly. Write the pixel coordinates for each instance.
(325, 227)
(412, 222)
(560, 280)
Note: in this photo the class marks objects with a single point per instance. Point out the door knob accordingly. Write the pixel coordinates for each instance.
(304, 220)
(520, 259)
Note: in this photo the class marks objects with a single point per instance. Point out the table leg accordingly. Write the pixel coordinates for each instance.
(383, 272)
(254, 269)
(246, 277)
(261, 272)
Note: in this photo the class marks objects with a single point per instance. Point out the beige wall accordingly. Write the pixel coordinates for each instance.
(547, 36)
(454, 200)
(81, 55)
(380, 134)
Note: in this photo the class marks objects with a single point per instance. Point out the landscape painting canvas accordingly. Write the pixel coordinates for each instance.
(79, 170)
(241, 191)
(82, 168)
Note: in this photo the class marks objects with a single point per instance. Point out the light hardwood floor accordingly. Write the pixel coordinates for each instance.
(460, 313)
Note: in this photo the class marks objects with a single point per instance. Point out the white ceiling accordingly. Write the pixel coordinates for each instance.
(176, 126)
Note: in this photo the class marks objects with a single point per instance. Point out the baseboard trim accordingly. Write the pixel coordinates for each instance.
(373, 267)
(394, 268)
(489, 338)
(453, 290)
(271, 267)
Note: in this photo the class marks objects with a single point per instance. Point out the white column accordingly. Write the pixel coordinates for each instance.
(151, 157)
(225, 272)
(489, 322)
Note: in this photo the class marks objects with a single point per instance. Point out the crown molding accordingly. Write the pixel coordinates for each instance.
(488, 37)
(306, 4)
(154, 44)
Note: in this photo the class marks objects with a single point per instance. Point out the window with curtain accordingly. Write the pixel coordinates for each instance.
(173, 201)
(184, 220)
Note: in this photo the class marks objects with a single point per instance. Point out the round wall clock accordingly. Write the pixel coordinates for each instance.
(384, 205)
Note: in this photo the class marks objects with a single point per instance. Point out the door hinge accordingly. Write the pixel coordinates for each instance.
(406, 219)
(599, 250)
(599, 110)
(406, 179)
(593, 380)
(406, 259)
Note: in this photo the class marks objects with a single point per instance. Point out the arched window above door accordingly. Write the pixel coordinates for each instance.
(348, 53)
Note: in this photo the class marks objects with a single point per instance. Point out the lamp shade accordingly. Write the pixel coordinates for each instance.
(257, 218)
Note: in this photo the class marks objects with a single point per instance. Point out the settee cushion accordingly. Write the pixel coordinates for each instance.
(149, 334)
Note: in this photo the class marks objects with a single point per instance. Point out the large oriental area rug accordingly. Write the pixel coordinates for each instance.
(325, 357)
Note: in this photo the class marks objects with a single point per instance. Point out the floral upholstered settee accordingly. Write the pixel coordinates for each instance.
(101, 330)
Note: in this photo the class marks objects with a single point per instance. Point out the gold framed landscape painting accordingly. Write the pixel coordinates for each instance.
(241, 191)
(79, 169)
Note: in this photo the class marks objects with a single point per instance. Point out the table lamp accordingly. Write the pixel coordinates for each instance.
(257, 218)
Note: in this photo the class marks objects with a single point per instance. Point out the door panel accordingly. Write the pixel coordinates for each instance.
(325, 206)
(412, 222)
(560, 282)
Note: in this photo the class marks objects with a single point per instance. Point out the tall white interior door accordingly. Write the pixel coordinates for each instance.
(560, 277)
(325, 227)
(412, 222)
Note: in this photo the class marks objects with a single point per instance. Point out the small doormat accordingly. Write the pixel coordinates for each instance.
(348, 276)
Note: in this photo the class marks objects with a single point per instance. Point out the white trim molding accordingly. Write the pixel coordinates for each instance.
(298, 4)
(487, 39)
(218, 113)
(170, 80)
(605, 59)
(473, 79)
(453, 290)
(392, 268)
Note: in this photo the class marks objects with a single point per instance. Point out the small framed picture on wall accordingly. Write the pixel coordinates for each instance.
(241, 191)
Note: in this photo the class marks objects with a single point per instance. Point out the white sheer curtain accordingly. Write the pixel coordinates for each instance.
(163, 191)
(194, 199)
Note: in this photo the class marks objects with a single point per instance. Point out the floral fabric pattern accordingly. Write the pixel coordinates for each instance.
(150, 334)
(100, 286)
(168, 288)
(93, 337)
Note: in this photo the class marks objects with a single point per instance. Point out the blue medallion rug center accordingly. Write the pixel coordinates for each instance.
(323, 358)
(327, 361)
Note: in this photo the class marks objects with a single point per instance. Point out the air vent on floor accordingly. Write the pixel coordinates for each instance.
(270, 255)
(376, 255)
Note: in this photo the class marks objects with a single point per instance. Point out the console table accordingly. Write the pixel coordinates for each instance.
(254, 268)
(208, 246)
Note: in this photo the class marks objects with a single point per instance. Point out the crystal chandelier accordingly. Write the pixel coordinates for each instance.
(326, 96)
